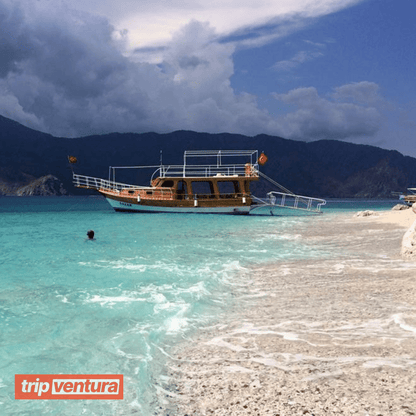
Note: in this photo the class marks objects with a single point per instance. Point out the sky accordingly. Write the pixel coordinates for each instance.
(299, 69)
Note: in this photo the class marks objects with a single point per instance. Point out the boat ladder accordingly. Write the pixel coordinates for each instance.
(290, 201)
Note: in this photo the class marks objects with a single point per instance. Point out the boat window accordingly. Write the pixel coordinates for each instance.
(131, 192)
(149, 192)
(167, 184)
(204, 189)
(228, 187)
(182, 191)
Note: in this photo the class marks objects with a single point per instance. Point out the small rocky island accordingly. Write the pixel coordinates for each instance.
(48, 185)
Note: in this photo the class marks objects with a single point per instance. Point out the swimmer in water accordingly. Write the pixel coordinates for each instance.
(90, 235)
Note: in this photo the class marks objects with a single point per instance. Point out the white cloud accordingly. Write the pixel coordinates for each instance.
(298, 59)
(314, 51)
(360, 92)
(323, 118)
(315, 44)
(152, 23)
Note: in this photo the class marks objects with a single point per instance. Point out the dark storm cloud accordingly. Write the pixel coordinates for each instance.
(59, 64)
(64, 72)
(14, 39)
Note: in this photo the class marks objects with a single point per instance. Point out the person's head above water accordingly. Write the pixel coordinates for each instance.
(90, 234)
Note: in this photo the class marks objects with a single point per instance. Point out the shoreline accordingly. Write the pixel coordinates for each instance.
(327, 335)
(401, 218)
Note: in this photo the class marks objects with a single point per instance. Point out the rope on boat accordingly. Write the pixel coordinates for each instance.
(285, 190)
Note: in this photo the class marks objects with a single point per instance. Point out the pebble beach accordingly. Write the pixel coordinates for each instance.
(328, 336)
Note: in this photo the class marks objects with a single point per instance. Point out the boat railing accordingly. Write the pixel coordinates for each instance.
(205, 171)
(89, 182)
(290, 201)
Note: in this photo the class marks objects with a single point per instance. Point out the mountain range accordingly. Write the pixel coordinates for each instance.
(36, 163)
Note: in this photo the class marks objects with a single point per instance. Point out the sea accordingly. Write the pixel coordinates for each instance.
(120, 303)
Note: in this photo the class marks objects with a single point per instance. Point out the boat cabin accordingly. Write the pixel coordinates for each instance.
(218, 190)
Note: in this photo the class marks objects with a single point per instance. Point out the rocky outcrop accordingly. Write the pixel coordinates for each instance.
(408, 250)
(7, 188)
(366, 213)
(45, 186)
(400, 207)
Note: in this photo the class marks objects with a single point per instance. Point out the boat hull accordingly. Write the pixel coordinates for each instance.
(122, 206)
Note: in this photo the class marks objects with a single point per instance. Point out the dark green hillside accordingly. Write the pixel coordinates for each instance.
(321, 168)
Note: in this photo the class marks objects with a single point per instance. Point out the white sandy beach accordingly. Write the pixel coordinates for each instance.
(402, 219)
(314, 337)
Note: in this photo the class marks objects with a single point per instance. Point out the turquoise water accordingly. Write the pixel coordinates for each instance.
(116, 305)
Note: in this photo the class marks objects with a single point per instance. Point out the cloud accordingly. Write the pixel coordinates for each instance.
(315, 50)
(65, 72)
(315, 44)
(361, 92)
(151, 24)
(327, 118)
(298, 59)
(14, 40)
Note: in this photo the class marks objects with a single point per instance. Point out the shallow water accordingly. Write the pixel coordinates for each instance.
(120, 303)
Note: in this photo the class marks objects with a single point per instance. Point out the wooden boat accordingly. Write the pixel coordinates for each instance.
(216, 188)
